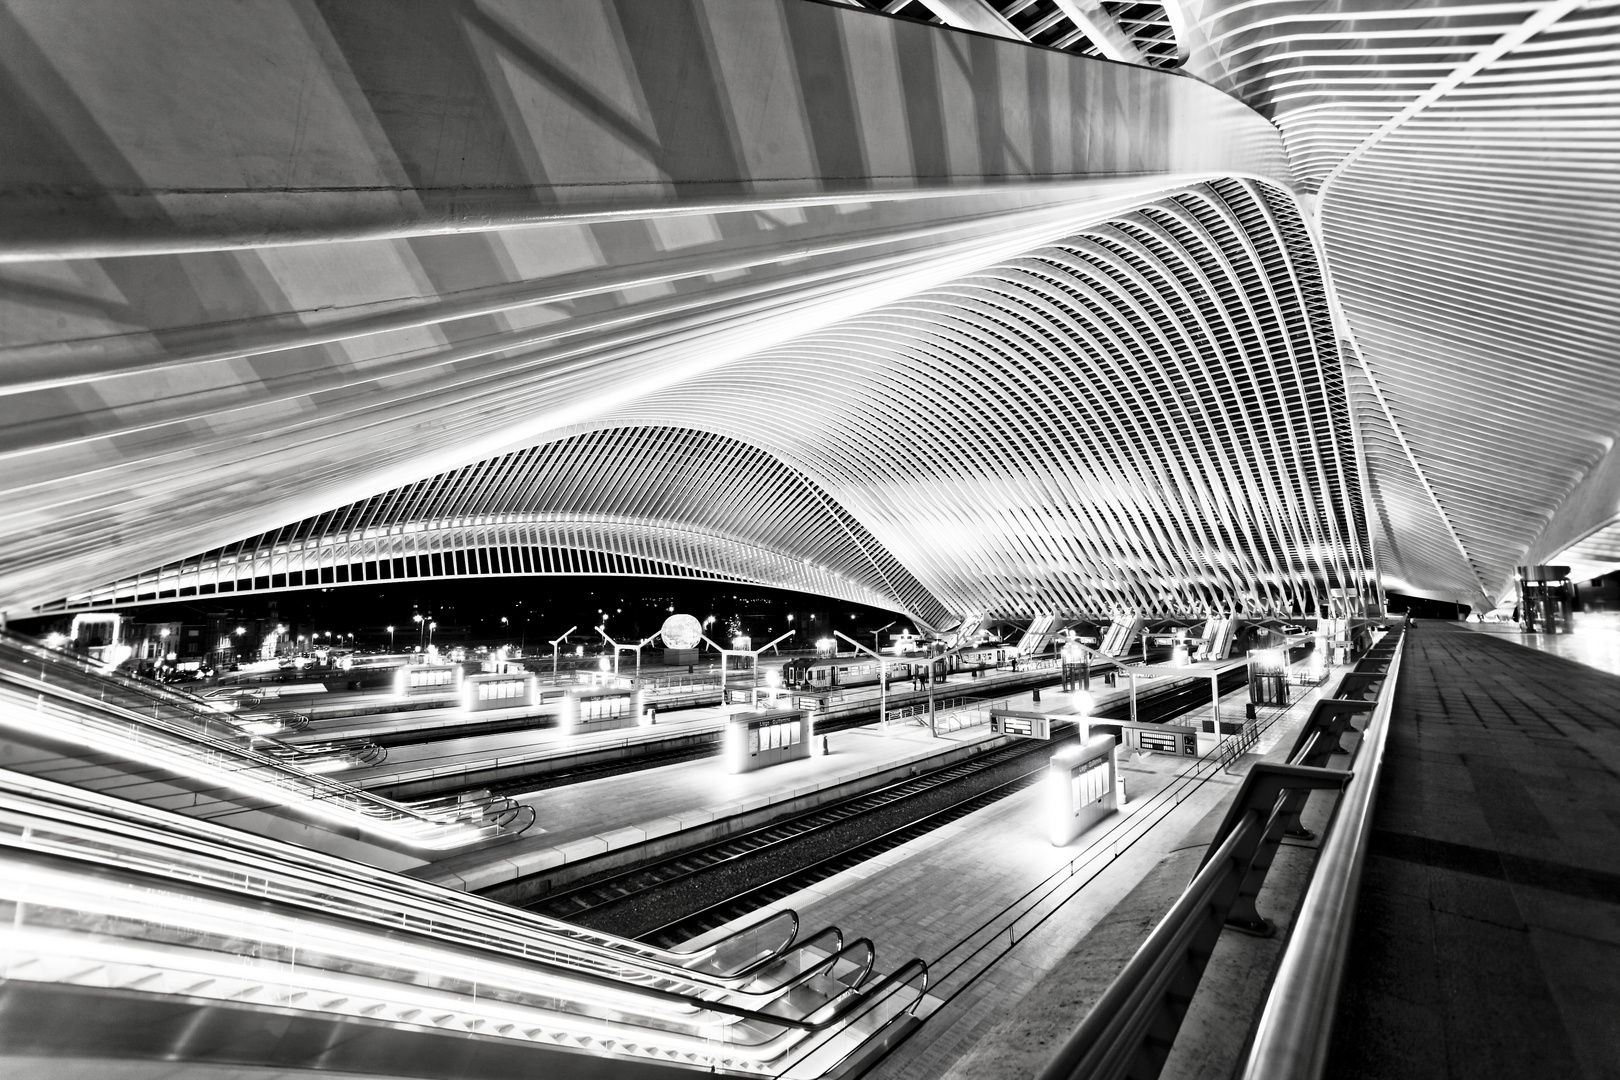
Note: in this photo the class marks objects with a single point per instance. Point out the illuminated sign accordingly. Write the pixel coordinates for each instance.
(1022, 724)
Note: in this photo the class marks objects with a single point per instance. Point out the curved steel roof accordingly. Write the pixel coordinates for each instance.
(985, 328)
(1462, 159)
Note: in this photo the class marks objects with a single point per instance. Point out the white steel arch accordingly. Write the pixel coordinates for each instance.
(1463, 158)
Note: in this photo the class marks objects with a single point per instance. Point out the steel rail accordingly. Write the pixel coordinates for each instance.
(1296, 1027)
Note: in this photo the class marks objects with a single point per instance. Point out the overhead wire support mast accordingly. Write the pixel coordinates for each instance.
(556, 642)
(752, 653)
(636, 648)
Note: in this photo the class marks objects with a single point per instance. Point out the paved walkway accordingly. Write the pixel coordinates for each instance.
(1595, 641)
(1487, 940)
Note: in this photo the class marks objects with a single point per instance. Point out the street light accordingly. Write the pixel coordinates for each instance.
(390, 639)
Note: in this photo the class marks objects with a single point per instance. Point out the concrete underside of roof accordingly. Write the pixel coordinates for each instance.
(759, 290)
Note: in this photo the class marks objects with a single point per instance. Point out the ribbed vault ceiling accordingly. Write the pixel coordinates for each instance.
(1148, 416)
(1464, 159)
(965, 326)
(665, 501)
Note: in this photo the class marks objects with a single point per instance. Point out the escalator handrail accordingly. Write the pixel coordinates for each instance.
(188, 838)
(316, 786)
(822, 1017)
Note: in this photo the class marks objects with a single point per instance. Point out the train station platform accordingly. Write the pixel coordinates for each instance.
(1020, 935)
(444, 762)
(1595, 641)
(618, 813)
(1487, 934)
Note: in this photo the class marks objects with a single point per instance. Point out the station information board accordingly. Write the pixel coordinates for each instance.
(1028, 725)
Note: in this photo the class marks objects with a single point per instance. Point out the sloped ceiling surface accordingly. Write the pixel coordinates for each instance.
(336, 249)
(1464, 158)
(1148, 415)
(1053, 332)
(664, 501)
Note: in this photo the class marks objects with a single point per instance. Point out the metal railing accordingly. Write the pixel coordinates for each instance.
(1130, 1031)
(203, 746)
(1296, 1027)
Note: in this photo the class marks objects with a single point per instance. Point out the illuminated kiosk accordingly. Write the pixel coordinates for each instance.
(500, 690)
(599, 708)
(1081, 784)
(756, 741)
(427, 680)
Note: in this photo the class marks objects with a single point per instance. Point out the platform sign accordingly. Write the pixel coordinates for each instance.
(1027, 725)
(1180, 739)
(1163, 742)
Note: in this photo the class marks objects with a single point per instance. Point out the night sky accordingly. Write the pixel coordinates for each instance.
(538, 608)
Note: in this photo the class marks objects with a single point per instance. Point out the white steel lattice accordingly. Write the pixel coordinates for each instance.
(1464, 158)
(1146, 416)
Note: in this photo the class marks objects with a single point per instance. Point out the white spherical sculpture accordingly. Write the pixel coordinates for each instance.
(681, 632)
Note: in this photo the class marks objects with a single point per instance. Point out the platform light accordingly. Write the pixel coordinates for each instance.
(55, 640)
(1083, 702)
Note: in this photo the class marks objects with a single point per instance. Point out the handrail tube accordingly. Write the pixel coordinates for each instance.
(831, 961)
(182, 839)
(263, 767)
(1133, 1025)
(1108, 1040)
(1296, 1027)
(814, 1021)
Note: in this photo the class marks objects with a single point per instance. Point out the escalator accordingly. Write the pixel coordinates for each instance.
(137, 934)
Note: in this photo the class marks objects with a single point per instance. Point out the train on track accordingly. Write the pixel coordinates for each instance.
(840, 672)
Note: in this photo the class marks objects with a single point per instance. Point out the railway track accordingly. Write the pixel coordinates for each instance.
(464, 731)
(702, 921)
(707, 883)
(675, 899)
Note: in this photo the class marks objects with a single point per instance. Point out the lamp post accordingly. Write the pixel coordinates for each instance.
(554, 646)
(419, 629)
(875, 634)
(390, 638)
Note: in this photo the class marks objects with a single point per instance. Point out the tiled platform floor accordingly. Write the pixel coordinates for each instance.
(587, 819)
(1487, 940)
(1595, 641)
